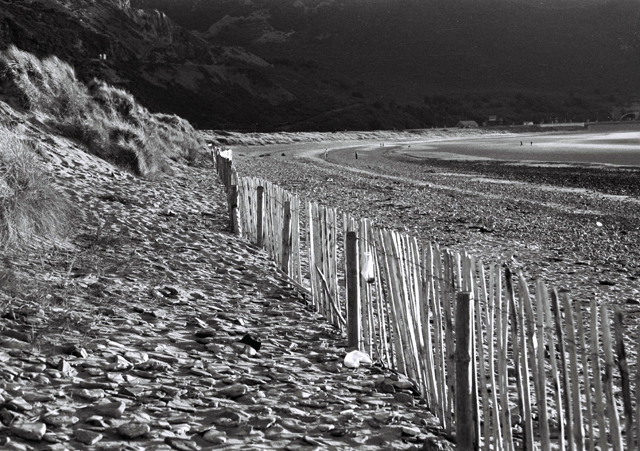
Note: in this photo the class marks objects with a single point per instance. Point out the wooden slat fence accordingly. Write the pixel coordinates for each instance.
(535, 374)
(273, 223)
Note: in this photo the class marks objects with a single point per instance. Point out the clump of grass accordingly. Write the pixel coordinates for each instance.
(31, 208)
(107, 120)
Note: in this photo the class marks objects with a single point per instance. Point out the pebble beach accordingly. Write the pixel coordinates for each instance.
(151, 327)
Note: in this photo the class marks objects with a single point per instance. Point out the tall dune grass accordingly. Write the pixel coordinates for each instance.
(106, 119)
(30, 205)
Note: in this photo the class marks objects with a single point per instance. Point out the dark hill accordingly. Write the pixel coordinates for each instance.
(346, 64)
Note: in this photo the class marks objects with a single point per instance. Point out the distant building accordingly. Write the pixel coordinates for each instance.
(467, 124)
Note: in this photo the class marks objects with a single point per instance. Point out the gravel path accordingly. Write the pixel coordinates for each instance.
(576, 226)
(141, 333)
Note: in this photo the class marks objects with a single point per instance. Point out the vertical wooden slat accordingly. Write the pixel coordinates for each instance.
(555, 377)
(413, 253)
(528, 335)
(439, 338)
(322, 260)
(597, 383)
(427, 327)
(491, 336)
(578, 426)
(526, 348)
(624, 375)
(353, 292)
(469, 284)
(543, 421)
(333, 261)
(449, 334)
(364, 289)
(464, 396)
(503, 309)
(286, 238)
(612, 408)
(566, 398)
(584, 357)
(481, 326)
(516, 349)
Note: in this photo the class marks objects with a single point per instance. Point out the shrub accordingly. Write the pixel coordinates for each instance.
(106, 119)
(30, 206)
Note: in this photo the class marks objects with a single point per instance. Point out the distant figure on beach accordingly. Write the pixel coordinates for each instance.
(520, 142)
(356, 155)
(532, 143)
(325, 154)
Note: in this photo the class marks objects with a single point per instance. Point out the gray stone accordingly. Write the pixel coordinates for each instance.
(215, 437)
(412, 431)
(229, 418)
(28, 430)
(39, 397)
(153, 365)
(402, 384)
(403, 398)
(133, 430)
(434, 443)
(66, 370)
(91, 395)
(7, 444)
(136, 356)
(262, 422)
(61, 420)
(333, 367)
(181, 444)
(234, 391)
(293, 425)
(172, 391)
(112, 409)
(87, 437)
(20, 404)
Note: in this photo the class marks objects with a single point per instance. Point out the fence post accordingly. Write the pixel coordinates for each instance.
(286, 237)
(464, 393)
(234, 224)
(259, 232)
(353, 292)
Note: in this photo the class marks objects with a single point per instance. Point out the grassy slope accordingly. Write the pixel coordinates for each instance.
(106, 120)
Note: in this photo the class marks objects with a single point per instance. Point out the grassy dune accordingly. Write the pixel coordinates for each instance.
(30, 205)
(106, 119)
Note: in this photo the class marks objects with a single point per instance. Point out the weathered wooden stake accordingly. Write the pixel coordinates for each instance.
(612, 408)
(566, 394)
(624, 375)
(286, 236)
(233, 209)
(464, 394)
(353, 291)
(578, 424)
(259, 225)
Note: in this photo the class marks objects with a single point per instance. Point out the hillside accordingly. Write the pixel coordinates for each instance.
(513, 59)
(333, 65)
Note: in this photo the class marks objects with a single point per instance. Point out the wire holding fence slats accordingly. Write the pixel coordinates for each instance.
(539, 377)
